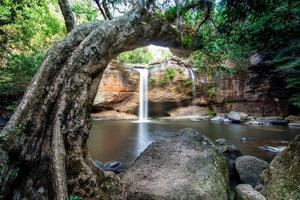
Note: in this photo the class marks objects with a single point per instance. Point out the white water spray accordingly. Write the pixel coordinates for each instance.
(143, 99)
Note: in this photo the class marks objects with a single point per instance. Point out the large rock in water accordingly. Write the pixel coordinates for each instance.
(237, 117)
(187, 166)
(250, 169)
(282, 179)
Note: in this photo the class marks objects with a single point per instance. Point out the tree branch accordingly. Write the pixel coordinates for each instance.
(67, 13)
(101, 10)
(106, 10)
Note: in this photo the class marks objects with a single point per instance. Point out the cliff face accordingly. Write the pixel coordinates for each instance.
(255, 91)
(258, 91)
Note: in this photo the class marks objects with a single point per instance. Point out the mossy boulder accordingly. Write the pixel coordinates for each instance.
(187, 166)
(250, 169)
(282, 179)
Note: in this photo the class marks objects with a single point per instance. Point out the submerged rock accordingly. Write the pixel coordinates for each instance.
(282, 179)
(187, 166)
(271, 149)
(246, 192)
(250, 169)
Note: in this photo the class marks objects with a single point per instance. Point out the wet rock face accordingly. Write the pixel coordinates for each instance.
(118, 90)
(187, 166)
(250, 169)
(169, 87)
(282, 179)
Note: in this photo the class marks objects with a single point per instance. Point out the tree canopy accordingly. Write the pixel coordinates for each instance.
(214, 30)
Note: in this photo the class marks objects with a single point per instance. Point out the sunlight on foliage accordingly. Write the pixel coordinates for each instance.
(140, 55)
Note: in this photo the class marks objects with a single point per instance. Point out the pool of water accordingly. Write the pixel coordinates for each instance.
(125, 140)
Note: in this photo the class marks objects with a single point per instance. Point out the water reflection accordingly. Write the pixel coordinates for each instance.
(143, 139)
(125, 140)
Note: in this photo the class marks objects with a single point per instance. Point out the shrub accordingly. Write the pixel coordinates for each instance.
(170, 73)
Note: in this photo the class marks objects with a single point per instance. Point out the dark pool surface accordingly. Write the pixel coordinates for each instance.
(125, 140)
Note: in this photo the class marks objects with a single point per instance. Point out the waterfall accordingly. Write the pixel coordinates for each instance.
(143, 99)
(192, 74)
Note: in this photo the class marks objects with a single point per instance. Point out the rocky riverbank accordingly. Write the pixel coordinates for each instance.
(191, 166)
(240, 117)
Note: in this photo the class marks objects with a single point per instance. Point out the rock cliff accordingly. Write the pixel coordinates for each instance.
(252, 91)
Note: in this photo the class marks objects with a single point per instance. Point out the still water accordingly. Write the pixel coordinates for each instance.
(125, 140)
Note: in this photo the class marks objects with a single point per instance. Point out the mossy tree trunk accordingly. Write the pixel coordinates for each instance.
(44, 153)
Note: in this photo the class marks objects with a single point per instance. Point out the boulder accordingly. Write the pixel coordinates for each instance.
(293, 119)
(194, 111)
(272, 120)
(257, 59)
(188, 166)
(231, 153)
(246, 192)
(250, 169)
(294, 124)
(282, 179)
(254, 123)
(237, 117)
(220, 119)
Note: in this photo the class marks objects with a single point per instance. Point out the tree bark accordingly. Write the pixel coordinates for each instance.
(67, 13)
(43, 152)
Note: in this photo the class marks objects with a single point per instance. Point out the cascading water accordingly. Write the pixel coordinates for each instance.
(193, 77)
(143, 99)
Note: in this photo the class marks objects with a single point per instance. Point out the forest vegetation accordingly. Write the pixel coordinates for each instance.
(53, 54)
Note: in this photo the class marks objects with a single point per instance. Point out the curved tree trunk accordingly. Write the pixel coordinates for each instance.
(43, 150)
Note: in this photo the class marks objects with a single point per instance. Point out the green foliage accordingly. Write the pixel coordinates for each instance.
(15, 172)
(29, 24)
(162, 82)
(170, 14)
(18, 71)
(140, 56)
(271, 26)
(27, 29)
(212, 91)
(73, 197)
(84, 11)
(287, 61)
(188, 83)
(211, 112)
(10, 108)
(152, 81)
(170, 73)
